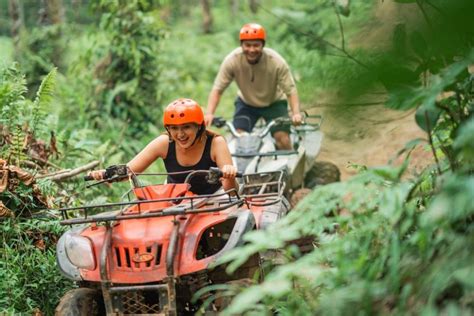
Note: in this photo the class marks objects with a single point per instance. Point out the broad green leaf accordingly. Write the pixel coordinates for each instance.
(409, 146)
(464, 142)
(406, 96)
(419, 45)
(426, 117)
(390, 173)
(466, 277)
(399, 39)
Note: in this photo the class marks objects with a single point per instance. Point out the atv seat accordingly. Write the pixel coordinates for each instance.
(160, 191)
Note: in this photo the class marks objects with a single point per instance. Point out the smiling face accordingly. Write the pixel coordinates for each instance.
(252, 50)
(183, 134)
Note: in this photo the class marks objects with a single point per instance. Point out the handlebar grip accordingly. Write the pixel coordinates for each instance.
(219, 172)
(218, 122)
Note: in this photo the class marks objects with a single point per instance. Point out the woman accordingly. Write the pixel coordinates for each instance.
(187, 146)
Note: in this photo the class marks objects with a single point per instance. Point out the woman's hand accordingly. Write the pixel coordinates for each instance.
(97, 174)
(229, 171)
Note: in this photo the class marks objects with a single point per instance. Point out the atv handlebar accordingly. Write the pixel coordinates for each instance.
(277, 121)
(114, 172)
(119, 172)
(221, 122)
(213, 175)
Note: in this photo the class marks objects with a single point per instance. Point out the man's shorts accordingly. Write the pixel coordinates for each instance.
(246, 116)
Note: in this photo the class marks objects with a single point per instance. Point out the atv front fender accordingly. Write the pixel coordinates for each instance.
(245, 223)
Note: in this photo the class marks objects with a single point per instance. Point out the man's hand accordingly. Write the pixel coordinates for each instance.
(297, 118)
(208, 117)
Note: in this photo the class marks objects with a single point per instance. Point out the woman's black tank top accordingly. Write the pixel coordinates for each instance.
(199, 185)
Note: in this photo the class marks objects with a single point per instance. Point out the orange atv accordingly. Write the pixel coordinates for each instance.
(149, 255)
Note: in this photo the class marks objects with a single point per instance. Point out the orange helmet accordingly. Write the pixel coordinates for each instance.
(183, 111)
(252, 31)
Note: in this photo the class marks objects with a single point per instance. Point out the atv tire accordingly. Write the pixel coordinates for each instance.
(323, 172)
(81, 302)
(298, 195)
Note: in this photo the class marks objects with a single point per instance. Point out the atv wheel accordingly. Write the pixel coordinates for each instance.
(224, 298)
(298, 195)
(323, 172)
(81, 302)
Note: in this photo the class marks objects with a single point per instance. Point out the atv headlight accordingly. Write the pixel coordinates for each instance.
(80, 252)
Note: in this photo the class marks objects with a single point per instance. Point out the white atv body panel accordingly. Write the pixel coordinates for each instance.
(307, 139)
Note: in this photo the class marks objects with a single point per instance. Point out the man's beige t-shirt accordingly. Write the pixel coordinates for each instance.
(260, 84)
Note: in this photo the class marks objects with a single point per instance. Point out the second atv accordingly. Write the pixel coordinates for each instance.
(256, 152)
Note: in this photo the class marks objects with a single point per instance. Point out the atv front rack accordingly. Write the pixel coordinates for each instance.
(258, 189)
(263, 188)
(182, 205)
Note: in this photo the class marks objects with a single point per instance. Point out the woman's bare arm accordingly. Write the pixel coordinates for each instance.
(221, 155)
(157, 148)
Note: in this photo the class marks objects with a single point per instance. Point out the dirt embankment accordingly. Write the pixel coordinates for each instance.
(371, 135)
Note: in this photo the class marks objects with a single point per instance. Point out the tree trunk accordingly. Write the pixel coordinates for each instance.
(253, 6)
(76, 6)
(55, 11)
(207, 16)
(234, 8)
(51, 12)
(42, 13)
(15, 9)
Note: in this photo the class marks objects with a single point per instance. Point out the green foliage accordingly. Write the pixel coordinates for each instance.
(385, 244)
(44, 97)
(20, 116)
(127, 71)
(12, 102)
(463, 144)
(395, 251)
(40, 50)
(28, 267)
(12, 90)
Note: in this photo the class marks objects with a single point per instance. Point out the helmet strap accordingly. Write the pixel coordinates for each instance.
(201, 130)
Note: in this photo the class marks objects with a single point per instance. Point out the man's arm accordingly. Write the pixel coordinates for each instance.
(223, 79)
(212, 103)
(294, 102)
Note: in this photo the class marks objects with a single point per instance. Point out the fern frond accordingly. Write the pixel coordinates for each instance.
(43, 99)
(17, 155)
(12, 91)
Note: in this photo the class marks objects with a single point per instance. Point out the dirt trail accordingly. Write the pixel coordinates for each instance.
(368, 135)
(371, 135)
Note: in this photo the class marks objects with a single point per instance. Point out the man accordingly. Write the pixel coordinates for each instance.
(265, 83)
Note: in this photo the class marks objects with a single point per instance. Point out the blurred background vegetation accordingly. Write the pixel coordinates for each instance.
(85, 81)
